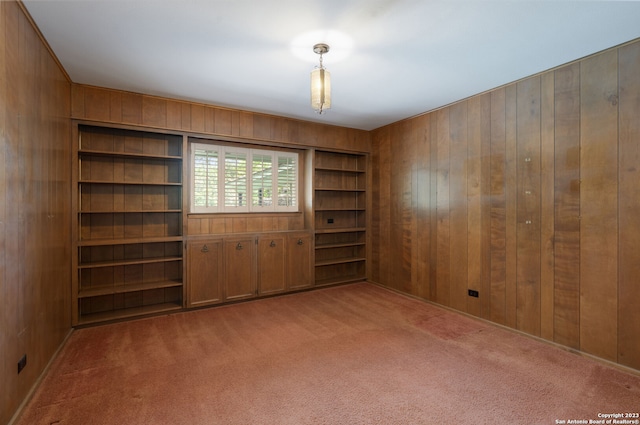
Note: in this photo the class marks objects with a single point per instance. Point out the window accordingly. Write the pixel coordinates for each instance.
(232, 179)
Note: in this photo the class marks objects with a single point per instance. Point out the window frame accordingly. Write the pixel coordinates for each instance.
(222, 150)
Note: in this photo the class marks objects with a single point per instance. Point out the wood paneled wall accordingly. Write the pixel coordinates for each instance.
(125, 108)
(35, 206)
(528, 194)
(119, 107)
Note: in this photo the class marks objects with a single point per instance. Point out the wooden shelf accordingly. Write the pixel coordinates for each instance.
(340, 280)
(323, 263)
(129, 287)
(340, 170)
(90, 152)
(341, 209)
(138, 183)
(128, 262)
(98, 242)
(125, 313)
(342, 230)
(129, 211)
(338, 189)
(339, 245)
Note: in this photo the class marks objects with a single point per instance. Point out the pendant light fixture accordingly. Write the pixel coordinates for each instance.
(320, 83)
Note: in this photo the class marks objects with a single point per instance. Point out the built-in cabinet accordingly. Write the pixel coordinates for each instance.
(340, 196)
(128, 227)
(284, 262)
(232, 268)
(129, 231)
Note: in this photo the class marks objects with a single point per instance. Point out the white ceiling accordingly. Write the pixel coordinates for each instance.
(389, 59)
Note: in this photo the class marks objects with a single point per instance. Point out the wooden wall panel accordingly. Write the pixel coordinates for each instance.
(380, 214)
(422, 183)
(484, 178)
(402, 216)
(534, 189)
(119, 107)
(433, 204)
(528, 206)
(474, 227)
(629, 207)
(35, 246)
(566, 314)
(598, 205)
(443, 253)
(547, 225)
(498, 231)
(511, 204)
(458, 206)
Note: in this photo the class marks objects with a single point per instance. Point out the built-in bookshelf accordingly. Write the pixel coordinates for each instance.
(340, 196)
(128, 200)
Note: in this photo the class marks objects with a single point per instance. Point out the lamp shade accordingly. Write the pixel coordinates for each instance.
(320, 90)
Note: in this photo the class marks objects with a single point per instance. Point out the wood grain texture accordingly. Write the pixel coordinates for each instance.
(528, 206)
(125, 108)
(443, 253)
(485, 205)
(459, 238)
(547, 159)
(423, 183)
(239, 268)
(299, 257)
(566, 313)
(205, 271)
(271, 263)
(401, 212)
(553, 240)
(511, 193)
(629, 207)
(498, 265)
(433, 210)
(599, 205)
(35, 247)
(474, 205)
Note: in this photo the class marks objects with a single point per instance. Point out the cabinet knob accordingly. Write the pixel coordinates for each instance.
(239, 246)
(300, 242)
(272, 244)
(205, 248)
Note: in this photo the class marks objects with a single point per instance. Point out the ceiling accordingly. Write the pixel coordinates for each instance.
(389, 59)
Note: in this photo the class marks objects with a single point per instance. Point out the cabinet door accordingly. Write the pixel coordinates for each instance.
(299, 261)
(271, 264)
(240, 268)
(204, 272)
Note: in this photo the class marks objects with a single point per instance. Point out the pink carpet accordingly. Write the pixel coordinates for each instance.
(354, 354)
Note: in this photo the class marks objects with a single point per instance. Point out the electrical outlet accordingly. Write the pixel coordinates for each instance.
(473, 293)
(22, 363)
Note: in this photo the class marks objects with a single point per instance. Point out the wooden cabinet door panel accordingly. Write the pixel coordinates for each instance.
(299, 261)
(204, 272)
(240, 268)
(271, 264)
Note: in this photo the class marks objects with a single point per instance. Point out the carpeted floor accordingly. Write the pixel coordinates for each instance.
(355, 354)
